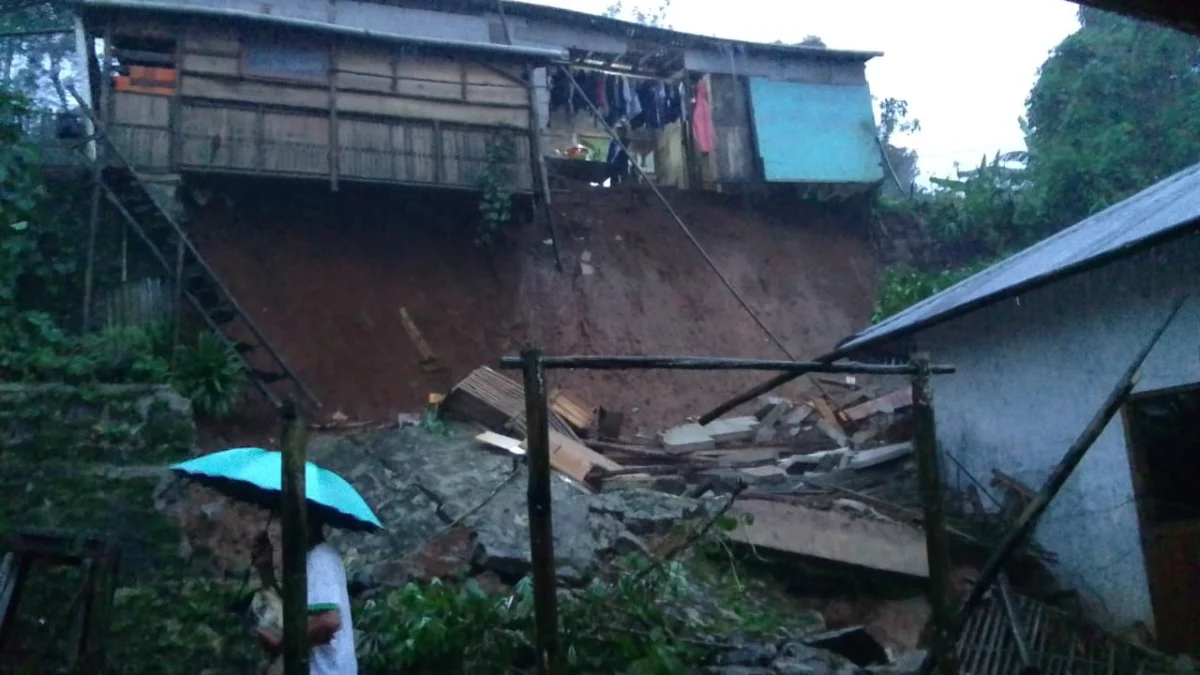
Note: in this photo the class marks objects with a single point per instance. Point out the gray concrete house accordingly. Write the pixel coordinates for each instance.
(1039, 340)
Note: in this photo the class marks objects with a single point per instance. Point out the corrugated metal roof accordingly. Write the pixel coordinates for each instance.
(533, 9)
(1169, 207)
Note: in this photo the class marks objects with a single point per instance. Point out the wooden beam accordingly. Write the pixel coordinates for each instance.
(541, 529)
(104, 111)
(295, 543)
(500, 71)
(1024, 526)
(708, 363)
(539, 158)
(937, 545)
(334, 139)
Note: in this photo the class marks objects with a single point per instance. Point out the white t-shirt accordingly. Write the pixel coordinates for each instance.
(326, 591)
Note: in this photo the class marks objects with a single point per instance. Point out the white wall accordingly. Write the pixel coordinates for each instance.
(1032, 371)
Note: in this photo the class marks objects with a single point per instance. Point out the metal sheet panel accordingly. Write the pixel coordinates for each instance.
(815, 133)
(1167, 207)
(733, 61)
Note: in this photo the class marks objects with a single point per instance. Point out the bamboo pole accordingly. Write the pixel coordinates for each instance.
(1016, 627)
(706, 363)
(295, 543)
(937, 545)
(1024, 526)
(541, 530)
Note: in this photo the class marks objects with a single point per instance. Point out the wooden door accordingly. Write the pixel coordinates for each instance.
(1173, 565)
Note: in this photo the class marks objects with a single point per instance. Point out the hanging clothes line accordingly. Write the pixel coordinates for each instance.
(609, 71)
(620, 100)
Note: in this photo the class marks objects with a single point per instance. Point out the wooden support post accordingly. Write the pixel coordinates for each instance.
(541, 530)
(539, 160)
(260, 140)
(295, 543)
(89, 270)
(334, 135)
(89, 267)
(1066, 466)
(937, 545)
(180, 298)
(175, 114)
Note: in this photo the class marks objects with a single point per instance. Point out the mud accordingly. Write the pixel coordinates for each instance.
(325, 276)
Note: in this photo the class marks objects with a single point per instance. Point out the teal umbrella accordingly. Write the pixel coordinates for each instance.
(253, 475)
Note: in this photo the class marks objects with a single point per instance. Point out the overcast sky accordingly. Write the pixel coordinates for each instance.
(964, 66)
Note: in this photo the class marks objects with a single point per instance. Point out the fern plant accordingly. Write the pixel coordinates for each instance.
(210, 374)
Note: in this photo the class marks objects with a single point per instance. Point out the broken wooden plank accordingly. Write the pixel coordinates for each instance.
(517, 425)
(1001, 478)
(766, 429)
(833, 431)
(506, 443)
(429, 361)
(796, 416)
(882, 455)
(579, 414)
(574, 459)
(888, 403)
(567, 456)
(768, 403)
(657, 454)
(828, 422)
(608, 427)
(833, 536)
(487, 397)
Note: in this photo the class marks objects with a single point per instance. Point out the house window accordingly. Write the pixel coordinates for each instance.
(293, 62)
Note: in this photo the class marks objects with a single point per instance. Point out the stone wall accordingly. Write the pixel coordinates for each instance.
(99, 423)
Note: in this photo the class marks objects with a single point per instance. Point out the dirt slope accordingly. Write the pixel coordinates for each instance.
(325, 275)
(806, 273)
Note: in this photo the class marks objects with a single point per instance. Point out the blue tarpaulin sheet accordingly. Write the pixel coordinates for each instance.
(815, 133)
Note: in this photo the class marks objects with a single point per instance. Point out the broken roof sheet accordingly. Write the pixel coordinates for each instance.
(1165, 209)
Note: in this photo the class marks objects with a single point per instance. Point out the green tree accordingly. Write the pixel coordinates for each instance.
(655, 17)
(1115, 108)
(37, 49)
(893, 120)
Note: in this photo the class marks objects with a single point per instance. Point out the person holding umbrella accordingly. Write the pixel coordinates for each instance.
(330, 623)
(254, 475)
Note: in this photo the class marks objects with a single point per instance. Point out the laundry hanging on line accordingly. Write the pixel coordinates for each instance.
(621, 100)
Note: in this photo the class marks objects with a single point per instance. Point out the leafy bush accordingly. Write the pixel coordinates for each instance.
(210, 374)
(902, 287)
(498, 184)
(651, 617)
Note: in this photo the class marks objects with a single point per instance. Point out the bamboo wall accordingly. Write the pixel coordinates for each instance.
(376, 112)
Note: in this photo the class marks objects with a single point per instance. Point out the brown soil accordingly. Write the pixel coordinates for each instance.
(325, 275)
(806, 271)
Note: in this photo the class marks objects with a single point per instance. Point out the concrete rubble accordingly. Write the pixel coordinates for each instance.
(453, 497)
(461, 510)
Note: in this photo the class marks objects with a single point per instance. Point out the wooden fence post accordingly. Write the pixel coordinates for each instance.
(541, 529)
(295, 543)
